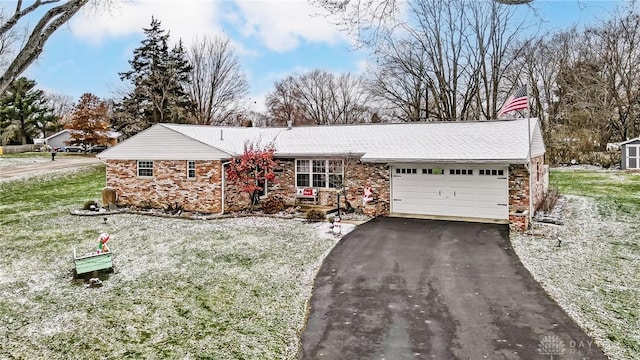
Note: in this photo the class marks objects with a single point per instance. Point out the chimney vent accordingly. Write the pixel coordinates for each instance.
(221, 138)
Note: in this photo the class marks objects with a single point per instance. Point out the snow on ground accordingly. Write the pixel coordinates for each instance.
(10, 162)
(593, 274)
(181, 288)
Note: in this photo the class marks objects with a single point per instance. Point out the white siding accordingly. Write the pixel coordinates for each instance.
(162, 143)
(58, 140)
(537, 144)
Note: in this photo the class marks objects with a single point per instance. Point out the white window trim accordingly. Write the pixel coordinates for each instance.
(138, 169)
(310, 173)
(194, 170)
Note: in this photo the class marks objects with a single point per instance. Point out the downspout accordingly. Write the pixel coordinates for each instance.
(222, 176)
(105, 172)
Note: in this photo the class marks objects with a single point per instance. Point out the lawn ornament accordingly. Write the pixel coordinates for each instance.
(96, 260)
(337, 229)
(368, 195)
(102, 246)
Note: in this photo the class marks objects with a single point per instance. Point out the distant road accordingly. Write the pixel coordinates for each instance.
(62, 162)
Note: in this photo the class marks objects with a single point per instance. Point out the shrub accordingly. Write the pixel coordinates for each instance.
(173, 208)
(315, 215)
(273, 204)
(87, 205)
(550, 199)
(331, 219)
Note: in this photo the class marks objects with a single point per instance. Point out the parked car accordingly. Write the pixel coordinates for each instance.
(74, 148)
(97, 148)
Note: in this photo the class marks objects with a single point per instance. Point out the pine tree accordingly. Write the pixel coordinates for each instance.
(158, 76)
(89, 123)
(22, 112)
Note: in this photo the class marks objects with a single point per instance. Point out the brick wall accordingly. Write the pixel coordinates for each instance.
(357, 175)
(169, 185)
(519, 191)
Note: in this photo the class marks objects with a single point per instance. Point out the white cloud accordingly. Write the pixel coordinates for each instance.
(362, 66)
(184, 19)
(282, 25)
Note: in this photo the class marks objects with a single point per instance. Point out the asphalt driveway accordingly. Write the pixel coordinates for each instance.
(420, 289)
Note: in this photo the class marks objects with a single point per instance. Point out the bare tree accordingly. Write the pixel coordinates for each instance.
(217, 83)
(319, 98)
(54, 16)
(367, 21)
(400, 81)
(61, 104)
(617, 46)
(282, 103)
(447, 62)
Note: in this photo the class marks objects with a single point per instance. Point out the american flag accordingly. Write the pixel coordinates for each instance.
(518, 101)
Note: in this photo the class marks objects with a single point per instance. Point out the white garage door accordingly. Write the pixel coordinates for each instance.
(457, 190)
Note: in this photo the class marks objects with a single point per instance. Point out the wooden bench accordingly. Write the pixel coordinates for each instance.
(307, 194)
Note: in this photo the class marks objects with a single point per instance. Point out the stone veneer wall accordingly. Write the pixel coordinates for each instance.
(357, 175)
(519, 191)
(168, 186)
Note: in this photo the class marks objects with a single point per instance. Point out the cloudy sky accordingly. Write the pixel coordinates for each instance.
(273, 38)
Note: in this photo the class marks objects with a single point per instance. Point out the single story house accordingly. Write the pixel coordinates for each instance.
(58, 140)
(481, 171)
(630, 154)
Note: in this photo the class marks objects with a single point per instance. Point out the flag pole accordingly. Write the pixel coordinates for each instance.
(530, 166)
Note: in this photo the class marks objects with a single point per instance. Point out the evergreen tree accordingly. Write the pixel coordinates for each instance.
(89, 123)
(22, 112)
(158, 75)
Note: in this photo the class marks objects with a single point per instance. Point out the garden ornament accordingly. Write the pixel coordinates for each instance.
(102, 246)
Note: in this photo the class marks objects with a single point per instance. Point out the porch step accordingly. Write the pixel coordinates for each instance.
(325, 209)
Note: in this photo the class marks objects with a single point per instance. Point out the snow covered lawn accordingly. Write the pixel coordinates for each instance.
(595, 273)
(220, 289)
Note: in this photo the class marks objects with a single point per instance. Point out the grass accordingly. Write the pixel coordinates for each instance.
(227, 289)
(594, 275)
(613, 190)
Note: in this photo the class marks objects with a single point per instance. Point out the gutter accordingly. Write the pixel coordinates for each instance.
(222, 176)
(102, 161)
(445, 161)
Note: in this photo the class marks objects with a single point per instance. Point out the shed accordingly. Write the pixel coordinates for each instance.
(630, 154)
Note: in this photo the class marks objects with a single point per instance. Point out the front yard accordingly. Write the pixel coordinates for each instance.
(595, 272)
(228, 289)
(237, 288)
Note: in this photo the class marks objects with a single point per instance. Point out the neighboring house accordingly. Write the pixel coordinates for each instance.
(58, 140)
(476, 171)
(630, 154)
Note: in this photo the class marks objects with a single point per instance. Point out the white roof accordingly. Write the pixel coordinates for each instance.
(478, 141)
(629, 141)
(110, 134)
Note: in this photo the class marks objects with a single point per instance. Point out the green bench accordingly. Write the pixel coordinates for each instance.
(92, 262)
